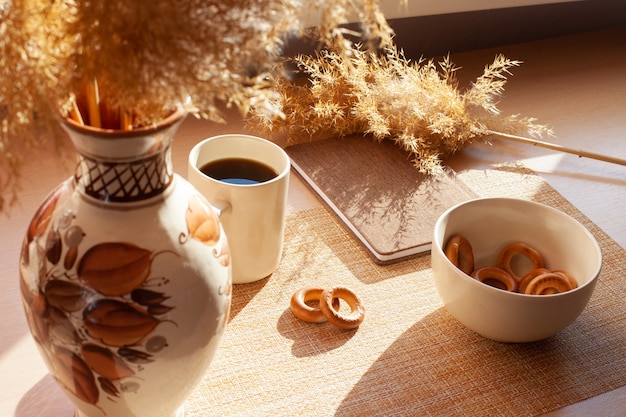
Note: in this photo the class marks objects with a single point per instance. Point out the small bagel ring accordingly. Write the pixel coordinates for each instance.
(348, 321)
(459, 252)
(495, 277)
(303, 311)
(518, 248)
(548, 283)
(530, 275)
(572, 282)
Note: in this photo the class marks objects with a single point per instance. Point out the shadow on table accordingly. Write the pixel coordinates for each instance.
(320, 337)
(438, 367)
(313, 246)
(45, 399)
(243, 294)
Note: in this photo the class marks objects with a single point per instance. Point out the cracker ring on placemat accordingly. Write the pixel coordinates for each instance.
(347, 321)
(303, 311)
(518, 248)
(495, 277)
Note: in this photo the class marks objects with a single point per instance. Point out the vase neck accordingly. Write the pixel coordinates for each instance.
(127, 181)
(124, 167)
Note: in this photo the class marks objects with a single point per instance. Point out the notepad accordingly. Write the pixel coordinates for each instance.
(377, 192)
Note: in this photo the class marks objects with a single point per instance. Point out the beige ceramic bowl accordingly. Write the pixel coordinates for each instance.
(491, 223)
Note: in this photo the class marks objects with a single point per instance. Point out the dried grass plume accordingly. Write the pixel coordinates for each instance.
(147, 56)
(419, 105)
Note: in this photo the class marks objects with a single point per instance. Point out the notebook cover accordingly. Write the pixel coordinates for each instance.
(377, 192)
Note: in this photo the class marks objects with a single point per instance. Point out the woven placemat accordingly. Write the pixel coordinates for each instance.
(409, 357)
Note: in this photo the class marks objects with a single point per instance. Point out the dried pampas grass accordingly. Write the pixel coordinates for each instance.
(416, 104)
(148, 56)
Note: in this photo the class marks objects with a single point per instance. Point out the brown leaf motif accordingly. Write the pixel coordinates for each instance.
(223, 256)
(105, 363)
(202, 222)
(54, 246)
(108, 386)
(148, 297)
(36, 317)
(115, 268)
(66, 295)
(91, 311)
(43, 216)
(117, 323)
(70, 257)
(61, 329)
(74, 374)
(134, 355)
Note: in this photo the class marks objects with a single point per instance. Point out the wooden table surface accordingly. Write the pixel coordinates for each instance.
(575, 84)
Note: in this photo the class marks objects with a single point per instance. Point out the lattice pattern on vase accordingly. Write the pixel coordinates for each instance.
(124, 182)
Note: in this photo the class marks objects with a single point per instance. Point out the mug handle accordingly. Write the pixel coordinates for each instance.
(220, 206)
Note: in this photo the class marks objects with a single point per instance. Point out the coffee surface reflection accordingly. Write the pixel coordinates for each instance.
(241, 171)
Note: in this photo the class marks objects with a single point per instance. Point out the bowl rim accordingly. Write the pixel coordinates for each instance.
(436, 245)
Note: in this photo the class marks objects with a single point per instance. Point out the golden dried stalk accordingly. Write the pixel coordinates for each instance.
(581, 153)
(416, 104)
(148, 56)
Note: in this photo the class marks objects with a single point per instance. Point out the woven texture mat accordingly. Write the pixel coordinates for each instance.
(409, 357)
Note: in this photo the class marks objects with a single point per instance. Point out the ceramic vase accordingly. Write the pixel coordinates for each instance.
(125, 276)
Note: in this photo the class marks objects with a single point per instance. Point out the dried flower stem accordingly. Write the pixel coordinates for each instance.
(93, 103)
(418, 104)
(555, 147)
(75, 115)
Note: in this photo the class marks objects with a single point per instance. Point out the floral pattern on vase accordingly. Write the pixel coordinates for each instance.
(125, 277)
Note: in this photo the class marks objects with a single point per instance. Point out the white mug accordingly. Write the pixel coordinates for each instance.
(252, 212)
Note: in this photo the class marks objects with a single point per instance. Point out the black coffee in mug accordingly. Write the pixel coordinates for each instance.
(238, 171)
